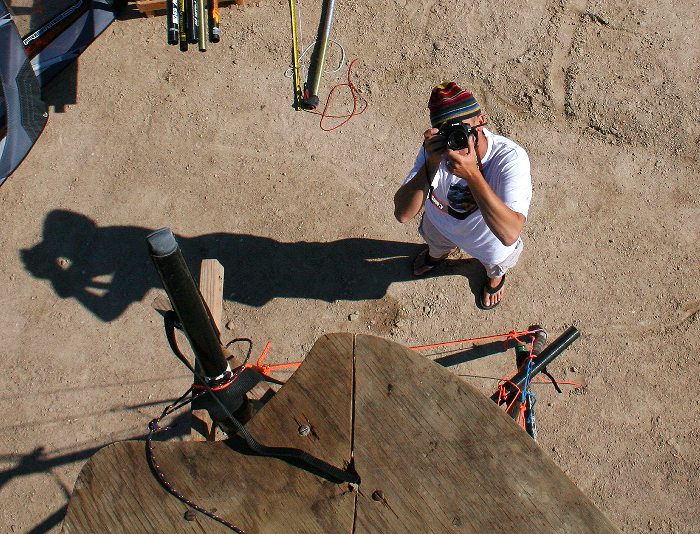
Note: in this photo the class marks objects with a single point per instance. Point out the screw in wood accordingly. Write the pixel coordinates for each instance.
(378, 495)
(190, 515)
(304, 430)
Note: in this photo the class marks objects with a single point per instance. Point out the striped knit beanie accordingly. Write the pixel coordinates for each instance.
(449, 101)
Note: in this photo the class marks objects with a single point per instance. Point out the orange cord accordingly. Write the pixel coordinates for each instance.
(267, 369)
(357, 99)
(514, 335)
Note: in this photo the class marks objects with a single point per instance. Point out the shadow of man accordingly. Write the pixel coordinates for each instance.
(108, 268)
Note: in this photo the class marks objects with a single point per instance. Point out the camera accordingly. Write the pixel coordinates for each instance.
(457, 134)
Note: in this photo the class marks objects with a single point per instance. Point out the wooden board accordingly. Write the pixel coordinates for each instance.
(117, 493)
(447, 459)
(433, 454)
(211, 287)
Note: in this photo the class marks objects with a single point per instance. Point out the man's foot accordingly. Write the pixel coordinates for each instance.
(424, 263)
(492, 292)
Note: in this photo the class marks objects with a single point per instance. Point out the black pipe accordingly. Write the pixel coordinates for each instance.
(187, 303)
(173, 21)
(554, 349)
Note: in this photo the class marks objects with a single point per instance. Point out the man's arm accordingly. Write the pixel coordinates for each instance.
(505, 223)
(410, 197)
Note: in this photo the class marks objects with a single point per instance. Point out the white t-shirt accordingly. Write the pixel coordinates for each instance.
(506, 168)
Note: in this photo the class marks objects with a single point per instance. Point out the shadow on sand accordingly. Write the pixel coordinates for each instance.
(108, 268)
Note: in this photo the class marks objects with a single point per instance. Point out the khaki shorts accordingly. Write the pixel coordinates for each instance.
(439, 246)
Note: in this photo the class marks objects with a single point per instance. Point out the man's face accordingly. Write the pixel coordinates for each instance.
(475, 121)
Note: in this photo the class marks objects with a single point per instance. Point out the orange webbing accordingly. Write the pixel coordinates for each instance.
(267, 369)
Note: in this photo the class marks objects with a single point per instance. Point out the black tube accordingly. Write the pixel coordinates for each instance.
(554, 349)
(187, 302)
(192, 21)
(173, 22)
(182, 10)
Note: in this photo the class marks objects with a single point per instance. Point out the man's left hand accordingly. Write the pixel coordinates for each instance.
(463, 163)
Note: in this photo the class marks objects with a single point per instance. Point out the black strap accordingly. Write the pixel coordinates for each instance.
(332, 472)
(554, 382)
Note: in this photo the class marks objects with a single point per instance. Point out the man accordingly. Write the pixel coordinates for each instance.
(477, 197)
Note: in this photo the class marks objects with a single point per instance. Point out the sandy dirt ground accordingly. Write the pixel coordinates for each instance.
(601, 93)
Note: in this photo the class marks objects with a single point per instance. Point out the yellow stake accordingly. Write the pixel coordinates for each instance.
(295, 54)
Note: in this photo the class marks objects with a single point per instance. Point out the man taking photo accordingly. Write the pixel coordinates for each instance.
(476, 189)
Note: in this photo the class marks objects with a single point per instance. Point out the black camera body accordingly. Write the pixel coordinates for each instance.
(457, 134)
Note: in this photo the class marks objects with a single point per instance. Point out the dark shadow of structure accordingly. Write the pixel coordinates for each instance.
(108, 268)
(62, 90)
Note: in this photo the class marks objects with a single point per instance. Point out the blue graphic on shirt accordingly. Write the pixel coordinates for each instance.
(460, 198)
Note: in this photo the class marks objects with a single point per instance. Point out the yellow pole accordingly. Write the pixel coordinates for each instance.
(295, 57)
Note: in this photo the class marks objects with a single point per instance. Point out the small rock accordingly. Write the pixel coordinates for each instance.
(438, 45)
(353, 316)
(229, 325)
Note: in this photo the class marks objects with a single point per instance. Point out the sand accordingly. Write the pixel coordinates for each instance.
(602, 95)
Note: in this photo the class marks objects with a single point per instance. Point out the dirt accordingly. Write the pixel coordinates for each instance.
(602, 95)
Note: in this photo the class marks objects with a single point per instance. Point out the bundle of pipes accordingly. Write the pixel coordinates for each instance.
(188, 21)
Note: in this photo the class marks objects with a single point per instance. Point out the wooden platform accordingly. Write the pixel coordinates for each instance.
(433, 454)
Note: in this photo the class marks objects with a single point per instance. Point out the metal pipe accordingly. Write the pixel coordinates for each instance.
(203, 25)
(554, 349)
(187, 303)
(311, 99)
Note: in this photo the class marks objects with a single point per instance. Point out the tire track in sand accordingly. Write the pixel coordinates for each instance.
(562, 70)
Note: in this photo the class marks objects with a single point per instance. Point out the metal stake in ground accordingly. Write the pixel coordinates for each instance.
(203, 25)
(311, 96)
(295, 56)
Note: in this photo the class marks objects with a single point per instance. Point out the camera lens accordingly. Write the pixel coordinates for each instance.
(457, 140)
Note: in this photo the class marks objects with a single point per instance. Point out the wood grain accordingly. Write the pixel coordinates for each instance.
(116, 492)
(211, 287)
(443, 458)
(434, 456)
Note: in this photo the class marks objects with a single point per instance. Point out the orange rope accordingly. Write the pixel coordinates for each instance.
(267, 369)
(514, 335)
(264, 354)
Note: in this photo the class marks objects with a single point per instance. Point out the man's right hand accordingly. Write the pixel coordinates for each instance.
(435, 146)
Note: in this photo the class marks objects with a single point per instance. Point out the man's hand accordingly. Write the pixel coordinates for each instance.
(463, 163)
(410, 197)
(434, 145)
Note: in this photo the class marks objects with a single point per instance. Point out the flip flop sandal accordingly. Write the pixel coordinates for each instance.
(423, 263)
(490, 291)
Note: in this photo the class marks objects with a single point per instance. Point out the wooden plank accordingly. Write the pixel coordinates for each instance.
(438, 456)
(318, 394)
(434, 456)
(211, 286)
(117, 493)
